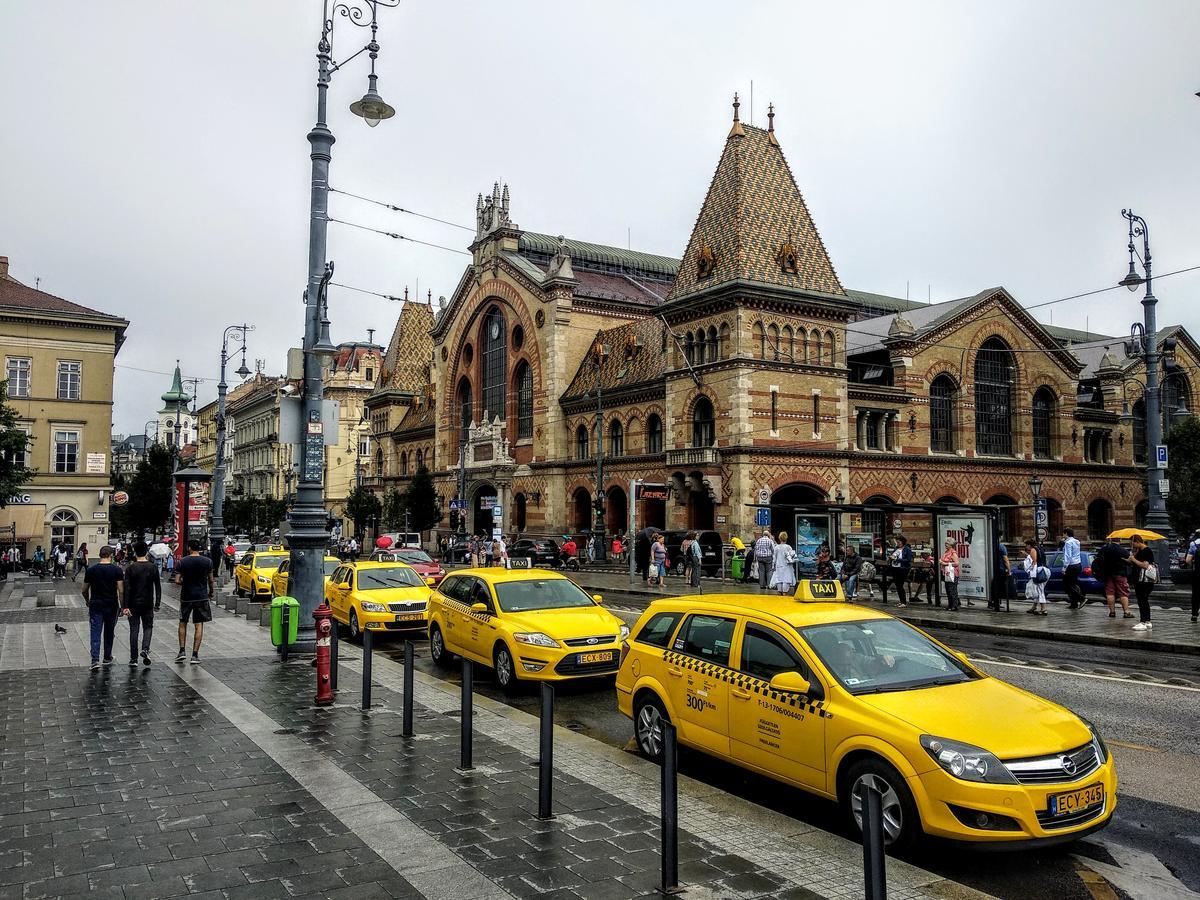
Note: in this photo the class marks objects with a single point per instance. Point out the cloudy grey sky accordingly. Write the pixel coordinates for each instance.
(155, 162)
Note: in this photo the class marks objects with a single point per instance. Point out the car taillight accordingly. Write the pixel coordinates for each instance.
(1087, 570)
(624, 652)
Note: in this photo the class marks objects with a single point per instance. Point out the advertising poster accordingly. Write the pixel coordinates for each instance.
(812, 533)
(970, 536)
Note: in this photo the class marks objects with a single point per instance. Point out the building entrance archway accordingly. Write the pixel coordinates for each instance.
(1008, 521)
(783, 501)
(581, 509)
(617, 511)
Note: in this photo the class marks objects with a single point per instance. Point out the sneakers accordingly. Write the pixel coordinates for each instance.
(95, 665)
(181, 656)
(108, 661)
(1143, 626)
(133, 662)
(1194, 618)
(195, 657)
(145, 659)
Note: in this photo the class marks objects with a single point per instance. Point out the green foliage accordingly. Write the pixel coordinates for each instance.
(253, 516)
(361, 506)
(13, 441)
(393, 510)
(421, 501)
(1183, 505)
(149, 504)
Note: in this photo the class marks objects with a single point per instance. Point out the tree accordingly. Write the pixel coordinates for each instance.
(393, 509)
(361, 506)
(1183, 504)
(421, 501)
(14, 442)
(150, 491)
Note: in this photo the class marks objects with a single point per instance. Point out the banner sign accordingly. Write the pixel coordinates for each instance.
(970, 536)
(653, 492)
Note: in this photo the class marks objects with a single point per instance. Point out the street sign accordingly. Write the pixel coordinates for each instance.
(764, 496)
(1160, 456)
(487, 502)
(457, 505)
(762, 516)
(496, 511)
(1164, 486)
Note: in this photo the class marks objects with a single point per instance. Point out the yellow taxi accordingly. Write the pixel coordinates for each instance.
(279, 581)
(252, 576)
(528, 625)
(827, 697)
(380, 596)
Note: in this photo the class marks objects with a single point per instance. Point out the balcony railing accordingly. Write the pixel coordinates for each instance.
(693, 456)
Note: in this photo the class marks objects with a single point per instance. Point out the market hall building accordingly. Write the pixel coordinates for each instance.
(746, 372)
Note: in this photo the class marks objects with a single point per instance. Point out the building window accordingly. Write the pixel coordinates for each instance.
(1043, 411)
(21, 460)
(420, 460)
(66, 451)
(364, 447)
(873, 422)
(18, 375)
(816, 413)
(404, 463)
(654, 434)
(1097, 445)
(62, 528)
(69, 375)
(941, 414)
(369, 374)
(495, 364)
(581, 442)
(760, 338)
(1099, 520)
(524, 381)
(616, 439)
(993, 399)
(703, 423)
(775, 411)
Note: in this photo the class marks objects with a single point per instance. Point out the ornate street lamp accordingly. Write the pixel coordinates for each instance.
(216, 532)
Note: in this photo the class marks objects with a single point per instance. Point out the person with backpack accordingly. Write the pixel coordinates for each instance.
(764, 554)
(1145, 574)
(899, 565)
(143, 594)
(1035, 587)
(1193, 559)
(81, 558)
(61, 556)
(1113, 564)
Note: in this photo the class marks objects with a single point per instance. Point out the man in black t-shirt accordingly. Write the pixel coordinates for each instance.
(102, 588)
(194, 575)
(143, 593)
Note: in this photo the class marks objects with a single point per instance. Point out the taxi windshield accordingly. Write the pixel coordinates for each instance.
(414, 556)
(330, 565)
(267, 561)
(540, 593)
(383, 579)
(883, 655)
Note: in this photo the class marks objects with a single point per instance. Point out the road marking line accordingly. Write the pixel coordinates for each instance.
(1129, 746)
(1172, 687)
(1094, 882)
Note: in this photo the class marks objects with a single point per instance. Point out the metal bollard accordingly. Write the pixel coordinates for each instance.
(333, 656)
(670, 811)
(366, 669)
(408, 688)
(546, 754)
(872, 833)
(464, 757)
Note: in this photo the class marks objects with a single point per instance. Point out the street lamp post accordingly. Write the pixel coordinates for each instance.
(216, 531)
(1156, 514)
(309, 523)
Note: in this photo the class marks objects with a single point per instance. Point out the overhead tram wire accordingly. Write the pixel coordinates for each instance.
(401, 209)
(395, 236)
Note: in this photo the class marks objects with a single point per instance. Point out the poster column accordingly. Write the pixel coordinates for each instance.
(180, 521)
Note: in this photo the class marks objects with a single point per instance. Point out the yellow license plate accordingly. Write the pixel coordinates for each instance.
(409, 617)
(1074, 801)
(601, 657)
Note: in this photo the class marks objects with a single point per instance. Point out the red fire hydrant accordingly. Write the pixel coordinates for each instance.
(324, 625)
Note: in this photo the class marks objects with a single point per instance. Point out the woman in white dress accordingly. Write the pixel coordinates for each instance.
(783, 568)
(1034, 590)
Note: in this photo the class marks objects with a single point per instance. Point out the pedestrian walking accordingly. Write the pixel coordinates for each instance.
(1145, 575)
(81, 558)
(1193, 559)
(230, 556)
(921, 576)
(1072, 561)
(353, 548)
(143, 595)
(851, 567)
(39, 561)
(641, 555)
(899, 565)
(196, 586)
(658, 554)
(783, 566)
(695, 555)
(1113, 560)
(60, 561)
(950, 570)
(1001, 574)
(1035, 587)
(764, 554)
(103, 585)
(618, 549)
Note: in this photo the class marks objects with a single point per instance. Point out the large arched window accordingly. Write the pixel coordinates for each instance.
(1099, 519)
(712, 354)
(523, 386)
(760, 339)
(420, 460)
(703, 423)
(1043, 423)
(941, 414)
(495, 364)
(581, 442)
(993, 399)
(62, 528)
(654, 434)
(616, 439)
(466, 409)
(788, 342)
(689, 348)
(403, 462)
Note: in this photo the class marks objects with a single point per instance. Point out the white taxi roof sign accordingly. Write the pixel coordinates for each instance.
(813, 590)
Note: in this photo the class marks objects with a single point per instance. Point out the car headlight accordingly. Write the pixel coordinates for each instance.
(536, 638)
(624, 632)
(368, 606)
(263, 579)
(965, 761)
(1097, 741)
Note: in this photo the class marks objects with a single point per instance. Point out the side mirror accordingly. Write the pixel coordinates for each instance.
(430, 582)
(479, 607)
(790, 683)
(599, 598)
(345, 585)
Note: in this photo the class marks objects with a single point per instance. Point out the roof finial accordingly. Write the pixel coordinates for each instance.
(736, 104)
(771, 124)
(737, 123)
(406, 293)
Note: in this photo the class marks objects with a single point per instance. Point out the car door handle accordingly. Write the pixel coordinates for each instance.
(741, 695)
(676, 673)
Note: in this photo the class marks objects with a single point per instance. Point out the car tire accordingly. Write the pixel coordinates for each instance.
(237, 589)
(648, 716)
(505, 669)
(901, 822)
(355, 629)
(677, 568)
(442, 658)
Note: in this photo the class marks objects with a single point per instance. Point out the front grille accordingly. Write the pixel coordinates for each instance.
(1052, 823)
(415, 606)
(597, 641)
(1060, 768)
(570, 665)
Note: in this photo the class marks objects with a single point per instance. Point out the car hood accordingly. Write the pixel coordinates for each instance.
(565, 624)
(394, 595)
(989, 713)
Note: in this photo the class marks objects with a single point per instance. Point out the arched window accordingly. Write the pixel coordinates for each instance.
(62, 528)
(379, 462)
(1139, 431)
(1043, 423)
(703, 423)
(616, 439)
(712, 355)
(788, 348)
(941, 414)
(689, 348)
(773, 340)
(404, 463)
(830, 348)
(420, 460)
(523, 384)
(582, 451)
(760, 340)
(1099, 519)
(495, 364)
(993, 398)
(654, 434)
(815, 343)
(466, 409)
(519, 517)
(723, 349)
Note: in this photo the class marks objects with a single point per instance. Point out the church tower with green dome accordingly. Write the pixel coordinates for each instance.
(176, 400)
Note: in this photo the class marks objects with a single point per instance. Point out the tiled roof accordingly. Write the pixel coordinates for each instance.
(417, 418)
(878, 304)
(583, 253)
(627, 363)
(753, 208)
(626, 289)
(405, 365)
(15, 295)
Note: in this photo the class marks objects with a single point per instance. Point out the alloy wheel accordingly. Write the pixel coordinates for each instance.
(649, 730)
(504, 667)
(893, 812)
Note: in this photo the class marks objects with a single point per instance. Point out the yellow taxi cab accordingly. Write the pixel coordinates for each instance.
(526, 624)
(827, 697)
(380, 596)
(279, 581)
(253, 574)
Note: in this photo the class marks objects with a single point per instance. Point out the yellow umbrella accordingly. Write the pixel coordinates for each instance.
(1144, 532)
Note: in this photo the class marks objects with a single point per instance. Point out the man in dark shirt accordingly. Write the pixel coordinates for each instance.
(194, 575)
(143, 593)
(103, 583)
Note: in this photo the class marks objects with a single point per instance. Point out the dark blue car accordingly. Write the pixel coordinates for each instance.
(1087, 583)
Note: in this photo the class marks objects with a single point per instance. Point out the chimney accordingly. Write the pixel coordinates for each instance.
(3, 266)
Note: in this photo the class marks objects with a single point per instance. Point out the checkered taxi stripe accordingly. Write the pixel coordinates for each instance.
(459, 606)
(746, 683)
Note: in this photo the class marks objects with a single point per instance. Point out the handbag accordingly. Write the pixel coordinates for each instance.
(1150, 574)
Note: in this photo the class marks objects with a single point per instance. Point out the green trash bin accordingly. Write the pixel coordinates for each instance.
(737, 567)
(278, 605)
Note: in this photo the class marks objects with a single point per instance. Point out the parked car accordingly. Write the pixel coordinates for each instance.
(539, 551)
(710, 548)
(425, 565)
(1087, 583)
(457, 552)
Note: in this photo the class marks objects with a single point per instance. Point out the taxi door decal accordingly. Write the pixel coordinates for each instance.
(747, 683)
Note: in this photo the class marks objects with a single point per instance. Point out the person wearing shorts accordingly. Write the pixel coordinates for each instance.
(194, 575)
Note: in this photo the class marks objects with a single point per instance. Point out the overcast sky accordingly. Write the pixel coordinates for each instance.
(155, 163)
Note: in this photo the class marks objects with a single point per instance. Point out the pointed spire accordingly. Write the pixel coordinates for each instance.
(176, 395)
(771, 125)
(504, 201)
(736, 130)
(406, 293)
(429, 297)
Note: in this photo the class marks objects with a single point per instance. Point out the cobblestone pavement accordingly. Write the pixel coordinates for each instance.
(223, 780)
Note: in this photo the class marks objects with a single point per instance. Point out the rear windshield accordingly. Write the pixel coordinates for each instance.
(330, 565)
(382, 579)
(414, 556)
